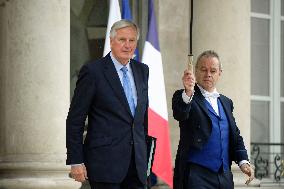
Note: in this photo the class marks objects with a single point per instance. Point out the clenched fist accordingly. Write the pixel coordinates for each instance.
(188, 80)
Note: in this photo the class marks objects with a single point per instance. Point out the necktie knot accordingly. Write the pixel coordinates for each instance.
(124, 69)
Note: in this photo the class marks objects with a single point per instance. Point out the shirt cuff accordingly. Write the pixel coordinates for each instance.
(186, 99)
(243, 162)
(73, 165)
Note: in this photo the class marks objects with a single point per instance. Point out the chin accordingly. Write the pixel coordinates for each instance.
(128, 57)
(207, 88)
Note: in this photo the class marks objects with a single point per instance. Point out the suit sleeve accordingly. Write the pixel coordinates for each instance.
(240, 151)
(180, 108)
(75, 122)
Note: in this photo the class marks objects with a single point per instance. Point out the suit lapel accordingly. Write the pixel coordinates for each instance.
(210, 108)
(228, 110)
(138, 83)
(226, 107)
(114, 81)
(199, 98)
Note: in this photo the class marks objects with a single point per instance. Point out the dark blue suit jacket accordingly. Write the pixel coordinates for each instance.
(195, 129)
(112, 130)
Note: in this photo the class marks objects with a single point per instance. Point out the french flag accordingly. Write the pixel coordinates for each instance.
(158, 114)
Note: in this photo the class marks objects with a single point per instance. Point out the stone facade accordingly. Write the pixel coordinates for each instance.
(35, 78)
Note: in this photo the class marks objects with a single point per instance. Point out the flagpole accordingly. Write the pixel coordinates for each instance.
(190, 56)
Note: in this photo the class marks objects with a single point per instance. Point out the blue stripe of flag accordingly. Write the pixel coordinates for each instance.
(152, 35)
(126, 13)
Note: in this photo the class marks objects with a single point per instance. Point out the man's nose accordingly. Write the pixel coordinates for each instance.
(208, 73)
(127, 44)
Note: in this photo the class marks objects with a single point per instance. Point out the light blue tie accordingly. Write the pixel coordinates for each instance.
(127, 89)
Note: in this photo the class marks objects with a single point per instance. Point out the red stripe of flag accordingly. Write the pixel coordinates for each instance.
(158, 128)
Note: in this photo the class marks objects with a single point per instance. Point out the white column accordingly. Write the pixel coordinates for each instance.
(34, 98)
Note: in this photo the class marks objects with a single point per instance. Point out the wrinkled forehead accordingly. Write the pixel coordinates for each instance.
(126, 31)
(209, 61)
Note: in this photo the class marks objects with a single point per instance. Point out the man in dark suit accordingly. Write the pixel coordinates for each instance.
(113, 93)
(209, 137)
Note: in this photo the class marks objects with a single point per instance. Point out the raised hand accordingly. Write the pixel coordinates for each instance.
(188, 80)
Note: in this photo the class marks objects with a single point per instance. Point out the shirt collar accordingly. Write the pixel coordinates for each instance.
(207, 94)
(117, 64)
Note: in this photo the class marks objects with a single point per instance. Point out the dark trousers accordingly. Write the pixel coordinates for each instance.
(199, 177)
(131, 181)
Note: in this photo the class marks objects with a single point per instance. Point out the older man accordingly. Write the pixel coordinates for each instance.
(113, 93)
(209, 137)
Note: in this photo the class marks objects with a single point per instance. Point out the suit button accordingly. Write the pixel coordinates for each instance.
(199, 140)
(131, 142)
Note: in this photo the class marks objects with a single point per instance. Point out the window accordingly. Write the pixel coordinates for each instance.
(260, 121)
(267, 77)
(260, 6)
(267, 71)
(260, 70)
(282, 70)
(282, 56)
(260, 56)
(282, 8)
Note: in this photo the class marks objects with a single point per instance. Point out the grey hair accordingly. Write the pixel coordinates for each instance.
(123, 24)
(209, 54)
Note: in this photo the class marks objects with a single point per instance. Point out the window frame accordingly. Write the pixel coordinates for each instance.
(274, 97)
